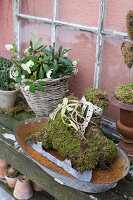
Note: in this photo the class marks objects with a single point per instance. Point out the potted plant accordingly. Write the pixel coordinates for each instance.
(43, 74)
(8, 87)
(123, 97)
(11, 176)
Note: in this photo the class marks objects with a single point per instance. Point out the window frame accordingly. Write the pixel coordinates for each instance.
(100, 32)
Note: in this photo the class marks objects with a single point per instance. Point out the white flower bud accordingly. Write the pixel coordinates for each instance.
(48, 74)
(9, 47)
(75, 62)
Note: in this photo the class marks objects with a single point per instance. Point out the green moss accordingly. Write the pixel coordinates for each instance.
(129, 24)
(127, 53)
(97, 97)
(12, 172)
(84, 151)
(106, 148)
(19, 106)
(124, 93)
(70, 144)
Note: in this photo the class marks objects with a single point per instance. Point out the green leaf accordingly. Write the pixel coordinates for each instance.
(51, 50)
(56, 55)
(55, 66)
(33, 40)
(42, 82)
(31, 45)
(33, 58)
(46, 58)
(26, 59)
(39, 47)
(32, 77)
(24, 72)
(40, 87)
(34, 68)
(47, 52)
(60, 50)
(32, 88)
(65, 51)
(65, 61)
(39, 43)
(46, 67)
(18, 78)
(41, 73)
(28, 83)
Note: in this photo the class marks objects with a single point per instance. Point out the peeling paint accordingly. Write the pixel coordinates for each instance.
(92, 197)
(12, 137)
(59, 181)
(9, 136)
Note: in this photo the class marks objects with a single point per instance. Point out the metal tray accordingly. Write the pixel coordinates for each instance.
(22, 131)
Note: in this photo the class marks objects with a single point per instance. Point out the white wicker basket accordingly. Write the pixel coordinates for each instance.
(43, 103)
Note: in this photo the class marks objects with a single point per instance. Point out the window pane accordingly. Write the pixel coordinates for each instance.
(114, 71)
(38, 29)
(81, 12)
(40, 8)
(83, 47)
(116, 14)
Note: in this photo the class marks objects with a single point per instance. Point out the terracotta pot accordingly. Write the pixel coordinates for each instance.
(125, 126)
(11, 181)
(36, 187)
(3, 167)
(23, 188)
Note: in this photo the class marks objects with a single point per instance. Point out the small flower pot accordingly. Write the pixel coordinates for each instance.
(23, 188)
(11, 181)
(36, 187)
(8, 98)
(3, 167)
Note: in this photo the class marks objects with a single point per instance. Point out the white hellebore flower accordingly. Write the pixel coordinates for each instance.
(14, 74)
(75, 62)
(48, 74)
(26, 88)
(23, 77)
(9, 47)
(27, 66)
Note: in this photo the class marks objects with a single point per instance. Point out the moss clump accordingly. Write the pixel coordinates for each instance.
(127, 53)
(12, 172)
(97, 97)
(106, 148)
(84, 151)
(124, 93)
(70, 144)
(129, 24)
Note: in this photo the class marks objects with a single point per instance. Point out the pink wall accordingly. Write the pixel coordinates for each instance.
(116, 12)
(83, 47)
(6, 25)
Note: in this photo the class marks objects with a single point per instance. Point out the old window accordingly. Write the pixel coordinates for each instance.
(94, 30)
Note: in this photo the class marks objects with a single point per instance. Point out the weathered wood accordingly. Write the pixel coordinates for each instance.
(8, 122)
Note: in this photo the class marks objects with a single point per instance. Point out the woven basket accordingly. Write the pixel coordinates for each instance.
(43, 103)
